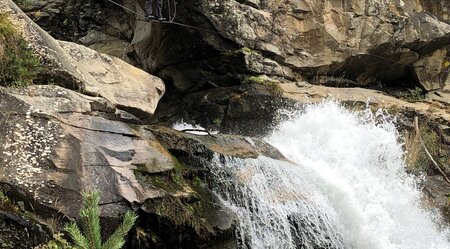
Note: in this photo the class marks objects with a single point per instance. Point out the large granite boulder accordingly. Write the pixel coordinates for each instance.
(56, 143)
(53, 148)
(88, 71)
(365, 41)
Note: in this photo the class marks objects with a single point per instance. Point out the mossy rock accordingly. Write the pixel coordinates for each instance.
(272, 86)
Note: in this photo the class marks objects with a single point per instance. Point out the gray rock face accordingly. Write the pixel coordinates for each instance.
(78, 67)
(436, 191)
(56, 143)
(433, 70)
(50, 142)
(363, 41)
(333, 36)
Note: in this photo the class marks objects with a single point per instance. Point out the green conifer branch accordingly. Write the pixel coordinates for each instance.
(90, 217)
(116, 241)
(90, 238)
(78, 238)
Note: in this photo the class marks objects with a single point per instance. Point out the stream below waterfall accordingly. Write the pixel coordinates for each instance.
(345, 187)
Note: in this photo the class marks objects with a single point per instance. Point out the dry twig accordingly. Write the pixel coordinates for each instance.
(416, 121)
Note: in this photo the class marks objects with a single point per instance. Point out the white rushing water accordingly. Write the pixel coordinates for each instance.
(276, 204)
(359, 164)
(347, 189)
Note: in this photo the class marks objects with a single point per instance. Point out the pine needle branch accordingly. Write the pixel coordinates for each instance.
(90, 238)
(78, 238)
(90, 216)
(116, 241)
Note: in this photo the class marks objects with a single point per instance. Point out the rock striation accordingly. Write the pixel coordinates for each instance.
(233, 69)
(56, 143)
(88, 71)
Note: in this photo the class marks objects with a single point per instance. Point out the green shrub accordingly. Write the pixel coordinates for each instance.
(415, 94)
(19, 67)
(89, 237)
(217, 121)
(6, 28)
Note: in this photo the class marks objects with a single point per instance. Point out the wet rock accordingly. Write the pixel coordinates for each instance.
(437, 192)
(250, 110)
(204, 147)
(56, 143)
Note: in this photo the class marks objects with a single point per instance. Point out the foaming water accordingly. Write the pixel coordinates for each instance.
(358, 168)
(276, 204)
(345, 187)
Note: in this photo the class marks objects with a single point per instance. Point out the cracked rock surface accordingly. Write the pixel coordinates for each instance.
(56, 143)
(80, 68)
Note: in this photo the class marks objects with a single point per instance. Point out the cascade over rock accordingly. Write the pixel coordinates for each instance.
(57, 143)
(96, 120)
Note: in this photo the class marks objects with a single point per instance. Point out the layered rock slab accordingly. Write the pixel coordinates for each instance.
(56, 143)
(52, 149)
(326, 35)
(88, 71)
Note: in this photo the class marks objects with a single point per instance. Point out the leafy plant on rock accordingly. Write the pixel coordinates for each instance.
(415, 94)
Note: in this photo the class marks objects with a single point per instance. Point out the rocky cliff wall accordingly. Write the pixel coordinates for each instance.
(256, 57)
(379, 44)
(366, 41)
(82, 129)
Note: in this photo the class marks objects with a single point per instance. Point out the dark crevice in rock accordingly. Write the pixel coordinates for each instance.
(109, 203)
(30, 204)
(18, 232)
(386, 65)
(50, 117)
(244, 110)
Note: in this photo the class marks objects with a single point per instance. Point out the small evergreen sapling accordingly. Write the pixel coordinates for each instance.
(89, 237)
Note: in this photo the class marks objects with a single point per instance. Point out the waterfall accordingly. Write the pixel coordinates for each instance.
(276, 203)
(358, 159)
(345, 187)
